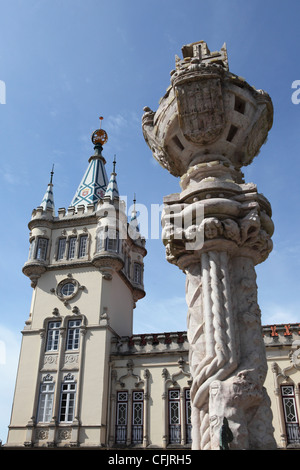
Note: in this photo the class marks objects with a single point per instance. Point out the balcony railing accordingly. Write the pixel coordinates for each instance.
(137, 434)
(293, 433)
(175, 434)
(121, 434)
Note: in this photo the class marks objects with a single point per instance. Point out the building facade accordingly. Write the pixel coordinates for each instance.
(84, 379)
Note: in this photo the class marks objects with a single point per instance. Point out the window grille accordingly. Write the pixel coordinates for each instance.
(121, 418)
(290, 414)
(174, 417)
(137, 417)
(188, 422)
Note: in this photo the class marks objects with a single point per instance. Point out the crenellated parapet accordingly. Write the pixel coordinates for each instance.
(154, 343)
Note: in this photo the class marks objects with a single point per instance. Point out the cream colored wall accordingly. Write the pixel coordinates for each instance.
(45, 300)
(25, 390)
(94, 386)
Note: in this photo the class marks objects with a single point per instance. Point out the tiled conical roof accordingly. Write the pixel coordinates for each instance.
(94, 182)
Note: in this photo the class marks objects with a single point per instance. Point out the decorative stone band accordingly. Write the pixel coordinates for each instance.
(217, 224)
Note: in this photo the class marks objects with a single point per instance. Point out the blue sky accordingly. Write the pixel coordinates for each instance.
(64, 63)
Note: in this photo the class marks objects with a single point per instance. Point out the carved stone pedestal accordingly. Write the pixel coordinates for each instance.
(208, 125)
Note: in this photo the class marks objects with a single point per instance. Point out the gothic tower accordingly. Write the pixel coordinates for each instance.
(86, 270)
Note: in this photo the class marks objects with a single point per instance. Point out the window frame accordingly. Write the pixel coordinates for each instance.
(137, 273)
(52, 337)
(39, 249)
(72, 247)
(174, 428)
(137, 429)
(73, 334)
(121, 428)
(61, 251)
(106, 242)
(68, 395)
(46, 396)
(83, 246)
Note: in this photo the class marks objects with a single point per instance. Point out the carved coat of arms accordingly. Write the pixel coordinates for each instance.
(201, 109)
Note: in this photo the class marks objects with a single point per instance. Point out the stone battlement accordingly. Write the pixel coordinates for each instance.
(150, 343)
(273, 335)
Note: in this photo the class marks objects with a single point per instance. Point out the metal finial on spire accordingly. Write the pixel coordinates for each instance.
(114, 164)
(99, 136)
(48, 200)
(52, 173)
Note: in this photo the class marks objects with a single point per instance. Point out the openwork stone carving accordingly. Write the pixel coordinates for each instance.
(208, 125)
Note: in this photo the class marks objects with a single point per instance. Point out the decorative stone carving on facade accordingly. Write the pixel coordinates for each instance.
(138, 380)
(208, 125)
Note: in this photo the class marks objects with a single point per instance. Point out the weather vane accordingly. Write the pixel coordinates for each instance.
(99, 136)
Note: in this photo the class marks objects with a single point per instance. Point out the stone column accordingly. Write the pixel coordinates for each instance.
(209, 124)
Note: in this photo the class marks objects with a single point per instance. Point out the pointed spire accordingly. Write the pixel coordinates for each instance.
(94, 182)
(134, 220)
(48, 199)
(112, 190)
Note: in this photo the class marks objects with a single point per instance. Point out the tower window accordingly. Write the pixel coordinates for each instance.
(107, 239)
(45, 406)
(53, 336)
(239, 105)
(112, 241)
(61, 248)
(100, 239)
(72, 247)
(31, 249)
(232, 132)
(82, 246)
(41, 249)
(67, 400)
(67, 289)
(137, 274)
(73, 335)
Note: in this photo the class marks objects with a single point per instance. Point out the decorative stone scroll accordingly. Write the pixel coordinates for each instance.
(208, 125)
